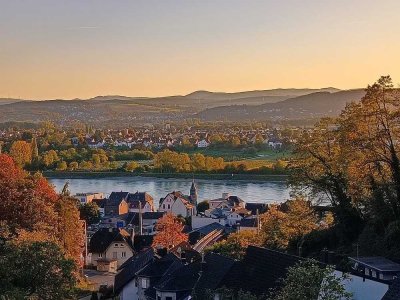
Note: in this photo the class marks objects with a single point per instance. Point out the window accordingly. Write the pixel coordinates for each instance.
(144, 283)
(158, 297)
(163, 206)
(114, 254)
(116, 245)
(123, 254)
(100, 254)
(168, 298)
(169, 206)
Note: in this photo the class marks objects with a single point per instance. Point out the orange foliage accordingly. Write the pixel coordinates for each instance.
(169, 232)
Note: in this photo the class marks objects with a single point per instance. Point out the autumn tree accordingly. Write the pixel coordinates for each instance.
(131, 166)
(236, 244)
(169, 232)
(21, 152)
(33, 211)
(280, 226)
(353, 160)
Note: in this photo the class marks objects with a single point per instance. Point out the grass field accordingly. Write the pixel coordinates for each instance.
(242, 154)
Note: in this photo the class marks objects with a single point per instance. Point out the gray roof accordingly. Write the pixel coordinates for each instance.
(379, 263)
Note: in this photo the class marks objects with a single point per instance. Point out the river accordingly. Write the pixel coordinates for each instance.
(273, 191)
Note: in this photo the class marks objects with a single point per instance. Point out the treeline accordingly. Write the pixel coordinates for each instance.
(27, 155)
(169, 161)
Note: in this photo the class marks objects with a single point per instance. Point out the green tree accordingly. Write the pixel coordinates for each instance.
(90, 212)
(62, 166)
(203, 206)
(309, 280)
(36, 269)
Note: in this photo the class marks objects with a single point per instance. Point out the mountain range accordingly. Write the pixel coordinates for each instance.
(275, 104)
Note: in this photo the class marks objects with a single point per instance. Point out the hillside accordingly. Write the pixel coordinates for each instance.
(303, 107)
(271, 104)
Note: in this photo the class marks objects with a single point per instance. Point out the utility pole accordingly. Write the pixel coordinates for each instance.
(140, 218)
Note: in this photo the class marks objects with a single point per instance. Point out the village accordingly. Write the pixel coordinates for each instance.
(120, 258)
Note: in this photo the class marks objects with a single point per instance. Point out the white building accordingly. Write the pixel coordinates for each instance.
(110, 245)
(203, 144)
(177, 204)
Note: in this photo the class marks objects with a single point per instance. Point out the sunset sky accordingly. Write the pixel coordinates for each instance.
(83, 48)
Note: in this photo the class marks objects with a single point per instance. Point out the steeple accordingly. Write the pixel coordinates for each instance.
(193, 193)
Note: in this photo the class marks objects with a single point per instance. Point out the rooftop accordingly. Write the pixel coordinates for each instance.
(378, 263)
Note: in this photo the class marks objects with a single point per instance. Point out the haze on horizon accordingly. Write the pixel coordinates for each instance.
(79, 49)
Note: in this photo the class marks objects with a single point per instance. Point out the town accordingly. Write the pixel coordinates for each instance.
(122, 248)
(199, 150)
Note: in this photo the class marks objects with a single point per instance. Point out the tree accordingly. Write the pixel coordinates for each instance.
(32, 211)
(34, 149)
(62, 166)
(21, 152)
(50, 158)
(236, 244)
(131, 166)
(73, 165)
(70, 228)
(169, 232)
(90, 212)
(26, 202)
(279, 227)
(203, 206)
(309, 280)
(35, 269)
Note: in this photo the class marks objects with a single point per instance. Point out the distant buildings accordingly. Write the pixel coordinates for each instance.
(88, 197)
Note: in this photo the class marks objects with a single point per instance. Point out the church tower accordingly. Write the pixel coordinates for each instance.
(193, 193)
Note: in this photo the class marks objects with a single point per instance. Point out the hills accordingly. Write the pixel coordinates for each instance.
(277, 104)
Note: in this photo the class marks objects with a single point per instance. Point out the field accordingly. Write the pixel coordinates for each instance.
(244, 154)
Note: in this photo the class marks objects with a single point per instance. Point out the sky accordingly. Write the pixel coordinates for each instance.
(83, 48)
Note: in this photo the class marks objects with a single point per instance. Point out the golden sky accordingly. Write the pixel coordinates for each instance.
(80, 49)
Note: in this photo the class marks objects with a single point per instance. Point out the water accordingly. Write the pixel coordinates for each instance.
(249, 191)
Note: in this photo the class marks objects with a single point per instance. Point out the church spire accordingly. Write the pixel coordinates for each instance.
(193, 193)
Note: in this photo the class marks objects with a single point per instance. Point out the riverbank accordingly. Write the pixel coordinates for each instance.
(105, 174)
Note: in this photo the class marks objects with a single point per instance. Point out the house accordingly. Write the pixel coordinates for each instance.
(110, 248)
(274, 143)
(376, 267)
(364, 287)
(203, 143)
(177, 204)
(200, 277)
(140, 201)
(226, 201)
(116, 204)
(125, 284)
(249, 224)
(88, 197)
(150, 275)
(93, 144)
(149, 220)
